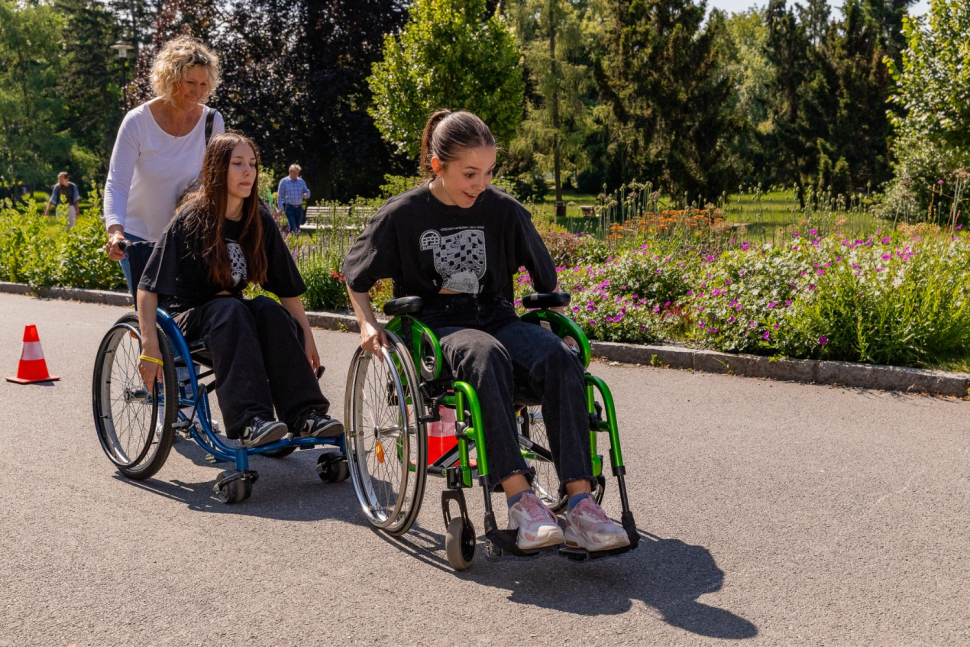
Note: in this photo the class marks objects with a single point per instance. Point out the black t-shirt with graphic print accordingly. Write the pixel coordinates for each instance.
(176, 267)
(425, 245)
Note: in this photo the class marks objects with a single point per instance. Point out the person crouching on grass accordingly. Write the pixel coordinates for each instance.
(263, 352)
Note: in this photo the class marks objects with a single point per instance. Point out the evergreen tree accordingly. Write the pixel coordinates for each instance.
(90, 88)
(659, 73)
(551, 38)
(294, 79)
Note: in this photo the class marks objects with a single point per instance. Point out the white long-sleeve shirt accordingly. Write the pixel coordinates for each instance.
(149, 169)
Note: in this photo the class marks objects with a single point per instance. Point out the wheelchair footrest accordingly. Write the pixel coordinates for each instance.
(578, 554)
(504, 542)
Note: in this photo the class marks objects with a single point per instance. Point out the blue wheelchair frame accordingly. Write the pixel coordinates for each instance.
(199, 400)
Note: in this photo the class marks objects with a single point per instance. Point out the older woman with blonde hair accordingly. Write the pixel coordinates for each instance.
(160, 146)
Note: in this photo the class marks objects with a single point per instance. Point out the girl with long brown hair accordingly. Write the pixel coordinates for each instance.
(263, 352)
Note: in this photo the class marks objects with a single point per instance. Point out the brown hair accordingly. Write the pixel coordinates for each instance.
(63, 174)
(205, 214)
(448, 133)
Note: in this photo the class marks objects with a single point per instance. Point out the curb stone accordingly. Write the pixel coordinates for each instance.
(106, 297)
(867, 376)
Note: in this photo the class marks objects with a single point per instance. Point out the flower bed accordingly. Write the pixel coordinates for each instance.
(888, 299)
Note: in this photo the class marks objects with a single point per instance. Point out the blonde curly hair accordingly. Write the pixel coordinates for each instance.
(176, 57)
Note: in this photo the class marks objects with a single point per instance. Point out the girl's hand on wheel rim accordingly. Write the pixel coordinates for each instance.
(373, 339)
(151, 372)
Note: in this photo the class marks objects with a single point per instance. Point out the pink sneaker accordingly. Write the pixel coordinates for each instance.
(537, 525)
(587, 526)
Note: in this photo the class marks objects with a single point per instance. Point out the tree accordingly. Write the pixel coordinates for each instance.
(932, 91)
(294, 79)
(551, 38)
(31, 64)
(198, 18)
(452, 55)
(90, 88)
(743, 60)
(659, 73)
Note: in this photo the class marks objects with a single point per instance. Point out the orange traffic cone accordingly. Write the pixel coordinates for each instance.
(32, 366)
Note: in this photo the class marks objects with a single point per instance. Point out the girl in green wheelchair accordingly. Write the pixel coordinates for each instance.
(457, 242)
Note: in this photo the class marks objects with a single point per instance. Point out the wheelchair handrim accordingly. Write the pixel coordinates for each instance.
(108, 434)
(401, 515)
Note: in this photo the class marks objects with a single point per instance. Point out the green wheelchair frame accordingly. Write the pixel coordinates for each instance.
(390, 403)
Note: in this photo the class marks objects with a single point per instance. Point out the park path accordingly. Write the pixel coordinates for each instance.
(773, 513)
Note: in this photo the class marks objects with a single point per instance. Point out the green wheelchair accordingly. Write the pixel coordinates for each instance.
(391, 404)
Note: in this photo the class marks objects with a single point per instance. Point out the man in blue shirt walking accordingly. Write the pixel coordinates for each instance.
(292, 192)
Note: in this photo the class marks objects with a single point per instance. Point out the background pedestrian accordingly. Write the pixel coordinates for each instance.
(292, 192)
(68, 190)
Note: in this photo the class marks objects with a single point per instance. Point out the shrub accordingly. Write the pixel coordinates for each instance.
(82, 261)
(326, 287)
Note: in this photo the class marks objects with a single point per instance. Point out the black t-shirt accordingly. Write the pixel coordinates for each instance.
(176, 267)
(425, 245)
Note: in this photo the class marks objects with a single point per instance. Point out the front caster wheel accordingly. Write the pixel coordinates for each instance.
(332, 467)
(460, 544)
(233, 486)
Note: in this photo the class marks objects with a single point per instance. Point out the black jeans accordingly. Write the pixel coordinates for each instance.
(487, 345)
(258, 358)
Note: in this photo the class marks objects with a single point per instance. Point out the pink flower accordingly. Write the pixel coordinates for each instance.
(771, 305)
(823, 340)
(766, 335)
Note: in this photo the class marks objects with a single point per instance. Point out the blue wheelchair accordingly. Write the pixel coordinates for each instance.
(137, 426)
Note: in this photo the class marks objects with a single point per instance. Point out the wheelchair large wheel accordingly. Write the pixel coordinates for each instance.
(546, 482)
(134, 425)
(386, 443)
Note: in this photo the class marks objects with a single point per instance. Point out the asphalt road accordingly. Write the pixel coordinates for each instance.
(772, 513)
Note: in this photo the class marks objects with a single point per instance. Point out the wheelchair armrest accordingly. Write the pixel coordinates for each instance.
(549, 300)
(403, 306)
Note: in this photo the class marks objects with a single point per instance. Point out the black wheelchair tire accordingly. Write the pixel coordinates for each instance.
(147, 462)
(408, 503)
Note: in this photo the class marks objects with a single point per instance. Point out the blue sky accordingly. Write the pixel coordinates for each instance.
(918, 9)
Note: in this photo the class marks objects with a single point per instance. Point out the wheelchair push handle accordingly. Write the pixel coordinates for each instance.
(547, 300)
(123, 244)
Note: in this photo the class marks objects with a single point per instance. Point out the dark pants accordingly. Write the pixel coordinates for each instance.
(294, 217)
(259, 361)
(486, 345)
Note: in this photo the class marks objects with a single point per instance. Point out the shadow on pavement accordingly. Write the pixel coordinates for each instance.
(667, 575)
(288, 489)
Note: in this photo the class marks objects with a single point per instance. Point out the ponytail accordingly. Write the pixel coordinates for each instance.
(448, 133)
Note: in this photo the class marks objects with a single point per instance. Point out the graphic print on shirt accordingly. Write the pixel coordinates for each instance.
(239, 267)
(459, 258)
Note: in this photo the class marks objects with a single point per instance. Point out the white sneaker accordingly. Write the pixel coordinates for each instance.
(537, 525)
(587, 526)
